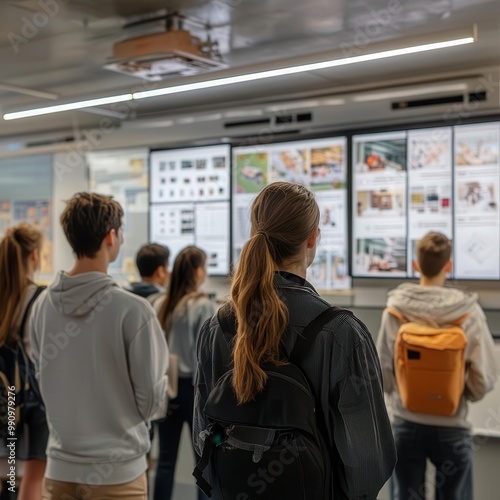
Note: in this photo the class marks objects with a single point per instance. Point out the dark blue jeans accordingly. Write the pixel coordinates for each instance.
(448, 448)
(180, 411)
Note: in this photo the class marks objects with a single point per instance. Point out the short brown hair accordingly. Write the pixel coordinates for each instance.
(433, 252)
(87, 220)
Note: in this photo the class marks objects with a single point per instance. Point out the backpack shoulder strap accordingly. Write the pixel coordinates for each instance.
(22, 327)
(396, 314)
(459, 321)
(227, 321)
(306, 339)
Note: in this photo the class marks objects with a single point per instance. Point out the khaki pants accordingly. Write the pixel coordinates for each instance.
(58, 490)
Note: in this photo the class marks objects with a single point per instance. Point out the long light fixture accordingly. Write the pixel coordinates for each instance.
(68, 107)
(249, 77)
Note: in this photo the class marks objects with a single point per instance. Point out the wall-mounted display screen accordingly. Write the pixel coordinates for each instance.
(318, 164)
(430, 202)
(406, 184)
(477, 218)
(379, 204)
(190, 193)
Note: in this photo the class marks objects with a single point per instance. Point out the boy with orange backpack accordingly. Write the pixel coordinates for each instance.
(436, 354)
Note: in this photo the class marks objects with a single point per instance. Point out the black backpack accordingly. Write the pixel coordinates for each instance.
(19, 392)
(270, 447)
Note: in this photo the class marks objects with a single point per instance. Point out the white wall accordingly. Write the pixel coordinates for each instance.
(70, 176)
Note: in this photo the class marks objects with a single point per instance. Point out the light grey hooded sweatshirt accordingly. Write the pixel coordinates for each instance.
(438, 306)
(101, 358)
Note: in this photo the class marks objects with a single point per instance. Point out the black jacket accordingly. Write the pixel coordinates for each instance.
(344, 373)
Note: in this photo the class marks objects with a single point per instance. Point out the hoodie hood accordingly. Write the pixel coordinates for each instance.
(437, 305)
(144, 289)
(77, 296)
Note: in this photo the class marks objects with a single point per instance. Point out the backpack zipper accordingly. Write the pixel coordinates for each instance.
(295, 383)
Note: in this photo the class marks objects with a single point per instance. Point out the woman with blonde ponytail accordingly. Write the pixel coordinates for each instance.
(20, 250)
(272, 303)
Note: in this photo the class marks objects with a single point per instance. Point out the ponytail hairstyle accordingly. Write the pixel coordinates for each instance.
(18, 243)
(183, 283)
(283, 216)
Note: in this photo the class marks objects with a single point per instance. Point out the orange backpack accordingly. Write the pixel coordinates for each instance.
(429, 365)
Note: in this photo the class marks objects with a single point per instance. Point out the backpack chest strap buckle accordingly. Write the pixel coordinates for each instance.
(252, 439)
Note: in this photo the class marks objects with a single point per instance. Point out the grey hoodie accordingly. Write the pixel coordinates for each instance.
(437, 306)
(188, 318)
(101, 359)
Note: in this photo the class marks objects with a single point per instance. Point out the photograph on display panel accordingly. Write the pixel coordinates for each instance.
(478, 196)
(380, 203)
(430, 151)
(333, 217)
(251, 172)
(380, 256)
(328, 168)
(380, 156)
(476, 149)
(431, 199)
(290, 165)
(329, 271)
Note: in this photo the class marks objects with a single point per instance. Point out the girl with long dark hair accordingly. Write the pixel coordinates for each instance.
(182, 315)
(20, 251)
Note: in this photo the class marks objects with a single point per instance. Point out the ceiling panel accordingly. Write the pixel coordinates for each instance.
(66, 55)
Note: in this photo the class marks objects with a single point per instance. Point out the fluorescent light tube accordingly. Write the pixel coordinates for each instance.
(261, 75)
(68, 107)
(300, 69)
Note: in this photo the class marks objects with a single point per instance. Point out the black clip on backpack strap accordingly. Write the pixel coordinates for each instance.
(306, 339)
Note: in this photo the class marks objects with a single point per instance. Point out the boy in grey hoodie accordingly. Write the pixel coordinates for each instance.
(445, 441)
(101, 359)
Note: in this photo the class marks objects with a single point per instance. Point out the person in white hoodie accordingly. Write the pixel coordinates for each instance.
(101, 358)
(444, 440)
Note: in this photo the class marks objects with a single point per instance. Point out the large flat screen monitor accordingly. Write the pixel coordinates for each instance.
(379, 204)
(318, 164)
(190, 202)
(477, 217)
(406, 184)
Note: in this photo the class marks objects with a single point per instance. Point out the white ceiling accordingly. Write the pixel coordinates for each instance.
(66, 56)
